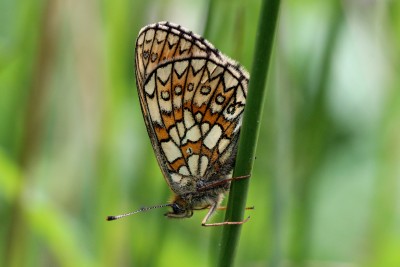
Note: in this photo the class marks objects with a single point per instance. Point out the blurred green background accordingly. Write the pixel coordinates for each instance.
(74, 148)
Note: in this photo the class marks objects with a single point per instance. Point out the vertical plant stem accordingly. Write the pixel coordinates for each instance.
(250, 129)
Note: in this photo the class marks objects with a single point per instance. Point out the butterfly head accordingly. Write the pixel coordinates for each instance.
(181, 208)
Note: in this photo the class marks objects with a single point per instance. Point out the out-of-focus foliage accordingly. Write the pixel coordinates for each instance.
(74, 148)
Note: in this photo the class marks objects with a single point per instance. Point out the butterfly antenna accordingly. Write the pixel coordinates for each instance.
(116, 217)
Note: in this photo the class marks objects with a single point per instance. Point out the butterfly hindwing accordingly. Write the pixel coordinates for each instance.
(194, 107)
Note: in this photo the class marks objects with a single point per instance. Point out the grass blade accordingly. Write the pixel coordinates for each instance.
(250, 129)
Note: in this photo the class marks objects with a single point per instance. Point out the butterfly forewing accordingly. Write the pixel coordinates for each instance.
(164, 41)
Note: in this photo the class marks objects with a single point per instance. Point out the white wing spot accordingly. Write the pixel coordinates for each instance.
(220, 99)
(184, 45)
(205, 90)
(193, 162)
(181, 66)
(164, 102)
(171, 151)
(213, 136)
(177, 100)
(240, 97)
(150, 86)
(173, 132)
(173, 39)
(230, 81)
(192, 135)
(184, 170)
(160, 35)
(165, 95)
(198, 64)
(215, 71)
(176, 177)
(164, 73)
(178, 90)
(205, 126)
(181, 129)
(150, 35)
(140, 39)
(203, 165)
(223, 144)
(199, 116)
(154, 111)
(188, 118)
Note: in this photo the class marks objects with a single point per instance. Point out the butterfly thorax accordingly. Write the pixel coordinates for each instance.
(183, 205)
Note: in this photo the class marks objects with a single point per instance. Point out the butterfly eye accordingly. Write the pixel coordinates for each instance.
(176, 209)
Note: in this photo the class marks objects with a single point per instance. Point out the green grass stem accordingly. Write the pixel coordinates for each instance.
(250, 129)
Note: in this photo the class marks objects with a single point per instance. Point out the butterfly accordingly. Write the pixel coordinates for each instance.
(192, 99)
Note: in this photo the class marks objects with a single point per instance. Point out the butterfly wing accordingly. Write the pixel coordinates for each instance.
(164, 41)
(192, 105)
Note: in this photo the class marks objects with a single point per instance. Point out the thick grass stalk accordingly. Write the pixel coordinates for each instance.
(250, 129)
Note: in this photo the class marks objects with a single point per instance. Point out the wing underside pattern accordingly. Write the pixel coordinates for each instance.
(192, 98)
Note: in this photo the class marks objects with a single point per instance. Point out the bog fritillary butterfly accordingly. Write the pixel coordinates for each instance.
(192, 98)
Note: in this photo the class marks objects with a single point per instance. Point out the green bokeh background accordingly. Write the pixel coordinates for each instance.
(74, 148)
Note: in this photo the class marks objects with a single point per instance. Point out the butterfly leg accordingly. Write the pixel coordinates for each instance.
(213, 208)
